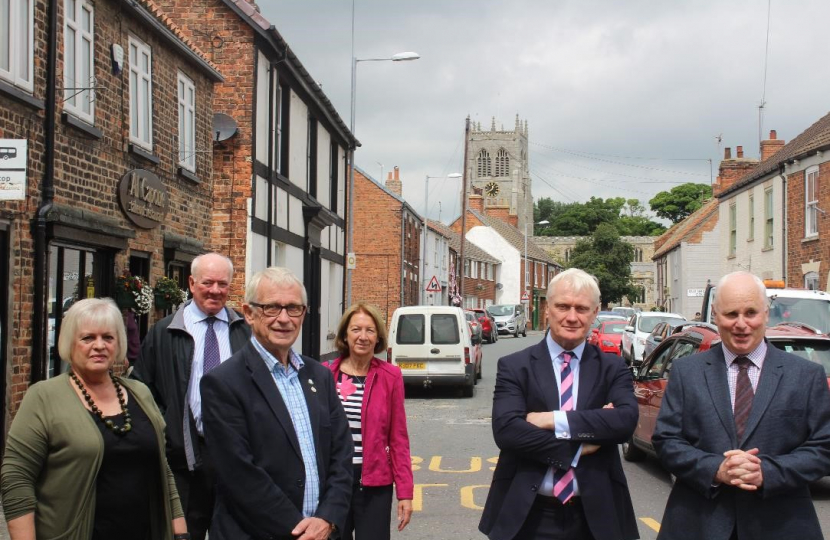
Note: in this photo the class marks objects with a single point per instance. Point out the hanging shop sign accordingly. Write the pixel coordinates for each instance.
(143, 198)
(12, 169)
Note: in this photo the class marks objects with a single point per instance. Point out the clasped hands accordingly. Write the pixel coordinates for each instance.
(741, 469)
(544, 420)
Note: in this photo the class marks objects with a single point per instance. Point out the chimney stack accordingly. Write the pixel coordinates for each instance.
(771, 145)
(393, 181)
(732, 169)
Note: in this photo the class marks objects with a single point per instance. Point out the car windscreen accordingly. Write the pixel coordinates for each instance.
(814, 350)
(812, 311)
(613, 328)
(411, 329)
(647, 324)
(444, 329)
(500, 310)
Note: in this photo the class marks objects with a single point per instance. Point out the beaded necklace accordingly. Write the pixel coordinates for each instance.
(118, 430)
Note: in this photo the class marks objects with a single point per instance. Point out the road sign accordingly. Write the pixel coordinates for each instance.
(433, 285)
(525, 297)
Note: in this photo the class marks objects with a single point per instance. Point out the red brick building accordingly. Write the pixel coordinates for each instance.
(281, 179)
(387, 239)
(117, 168)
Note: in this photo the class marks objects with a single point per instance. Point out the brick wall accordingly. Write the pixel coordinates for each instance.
(229, 43)
(88, 169)
(800, 250)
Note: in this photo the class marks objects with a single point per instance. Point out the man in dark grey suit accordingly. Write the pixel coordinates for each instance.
(744, 427)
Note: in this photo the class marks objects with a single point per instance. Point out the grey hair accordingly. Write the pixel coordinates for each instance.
(201, 259)
(762, 289)
(277, 275)
(578, 280)
(93, 312)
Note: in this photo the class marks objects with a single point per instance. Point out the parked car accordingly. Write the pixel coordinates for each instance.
(638, 329)
(489, 333)
(433, 345)
(475, 326)
(661, 331)
(626, 312)
(603, 316)
(510, 319)
(607, 335)
(653, 376)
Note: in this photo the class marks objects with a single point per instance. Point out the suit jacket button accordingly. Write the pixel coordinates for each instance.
(533, 488)
(300, 483)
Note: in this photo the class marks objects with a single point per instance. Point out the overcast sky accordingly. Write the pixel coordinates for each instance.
(599, 82)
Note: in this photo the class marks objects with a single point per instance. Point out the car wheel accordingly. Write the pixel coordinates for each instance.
(631, 452)
(631, 355)
(478, 374)
(524, 331)
(469, 388)
(516, 333)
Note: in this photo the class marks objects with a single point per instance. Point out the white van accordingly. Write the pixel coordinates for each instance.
(433, 345)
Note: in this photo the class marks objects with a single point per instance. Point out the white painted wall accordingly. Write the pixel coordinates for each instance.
(499, 248)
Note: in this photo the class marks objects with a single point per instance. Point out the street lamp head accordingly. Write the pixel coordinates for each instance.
(454, 175)
(543, 222)
(404, 56)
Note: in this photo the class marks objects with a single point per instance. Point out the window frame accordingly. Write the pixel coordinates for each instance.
(12, 75)
(72, 82)
(311, 156)
(137, 105)
(811, 187)
(769, 218)
(733, 229)
(751, 234)
(186, 160)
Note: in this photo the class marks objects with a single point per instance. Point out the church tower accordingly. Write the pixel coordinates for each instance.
(499, 172)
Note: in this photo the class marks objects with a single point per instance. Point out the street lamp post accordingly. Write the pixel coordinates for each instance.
(400, 57)
(543, 222)
(426, 219)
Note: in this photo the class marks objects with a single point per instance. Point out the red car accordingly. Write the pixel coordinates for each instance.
(608, 336)
(689, 338)
(489, 332)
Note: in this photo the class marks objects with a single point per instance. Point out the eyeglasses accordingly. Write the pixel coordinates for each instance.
(274, 310)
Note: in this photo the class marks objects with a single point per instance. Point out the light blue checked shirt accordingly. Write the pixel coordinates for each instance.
(194, 322)
(289, 384)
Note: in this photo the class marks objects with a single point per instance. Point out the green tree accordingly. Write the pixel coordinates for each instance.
(582, 219)
(639, 226)
(678, 203)
(609, 258)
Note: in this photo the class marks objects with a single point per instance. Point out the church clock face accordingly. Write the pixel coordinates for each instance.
(491, 189)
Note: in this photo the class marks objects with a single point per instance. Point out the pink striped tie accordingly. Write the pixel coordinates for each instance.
(563, 481)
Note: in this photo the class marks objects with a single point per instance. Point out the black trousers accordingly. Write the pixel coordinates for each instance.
(370, 515)
(197, 492)
(550, 520)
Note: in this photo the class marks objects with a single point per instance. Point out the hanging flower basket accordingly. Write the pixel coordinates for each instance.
(131, 292)
(167, 294)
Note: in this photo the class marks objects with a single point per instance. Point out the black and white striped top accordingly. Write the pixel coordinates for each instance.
(350, 389)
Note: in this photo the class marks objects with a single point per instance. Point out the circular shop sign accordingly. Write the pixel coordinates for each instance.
(143, 198)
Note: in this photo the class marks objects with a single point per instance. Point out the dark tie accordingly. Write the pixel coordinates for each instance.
(743, 395)
(563, 481)
(211, 359)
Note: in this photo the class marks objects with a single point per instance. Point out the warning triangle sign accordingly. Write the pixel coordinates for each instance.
(433, 285)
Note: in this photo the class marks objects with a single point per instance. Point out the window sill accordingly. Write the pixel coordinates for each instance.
(143, 154)
(188, 175)
(80, 125)
(729, 257)
(750, 239)
(809, 239)
(21, 96)
(767, 248)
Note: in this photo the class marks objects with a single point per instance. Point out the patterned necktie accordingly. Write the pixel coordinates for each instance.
(211, 359)
(743, 395)
(563, 481)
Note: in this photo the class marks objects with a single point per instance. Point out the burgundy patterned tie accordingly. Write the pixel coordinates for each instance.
(743, 395)
(563, 481)
(211, 358)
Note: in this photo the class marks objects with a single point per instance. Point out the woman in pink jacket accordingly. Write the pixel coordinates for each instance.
(372, 394)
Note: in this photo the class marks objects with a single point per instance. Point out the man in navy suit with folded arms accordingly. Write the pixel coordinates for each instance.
(745, 427)
(560, 408)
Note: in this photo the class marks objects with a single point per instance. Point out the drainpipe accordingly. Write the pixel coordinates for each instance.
(47, 196)
(271, 74)
(784, 223)
(403, 254)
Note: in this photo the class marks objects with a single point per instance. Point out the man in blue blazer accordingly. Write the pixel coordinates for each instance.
(560, 408)
(276, 430)
(745, 427)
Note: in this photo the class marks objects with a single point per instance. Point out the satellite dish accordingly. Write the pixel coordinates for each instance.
(499, 286)
(224, 127)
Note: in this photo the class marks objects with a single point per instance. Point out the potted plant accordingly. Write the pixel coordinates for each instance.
(167, 293)
(131, 292)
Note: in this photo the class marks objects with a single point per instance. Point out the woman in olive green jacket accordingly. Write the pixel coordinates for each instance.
(85, 457)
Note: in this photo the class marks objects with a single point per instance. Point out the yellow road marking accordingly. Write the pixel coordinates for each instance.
(468, 496)
(418, 495)
(435, 465)
(416, 461)
(651, 523)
